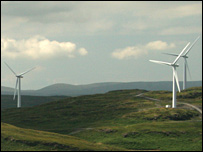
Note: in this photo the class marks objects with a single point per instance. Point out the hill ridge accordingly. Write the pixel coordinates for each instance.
(94, 88)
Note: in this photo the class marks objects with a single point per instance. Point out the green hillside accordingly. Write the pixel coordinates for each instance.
(191, 95)
(163, 136)
(119, 118)
(68, 114)
(18, 139)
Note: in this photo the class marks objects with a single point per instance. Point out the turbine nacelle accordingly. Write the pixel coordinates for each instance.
(173, 54)
(187, 51)
(18, 84)
(165, 63)
(175, 65)
(185, 56)
(186, 67)
(19, 76)
(175, 75)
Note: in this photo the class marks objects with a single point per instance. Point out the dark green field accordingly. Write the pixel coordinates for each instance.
(117, 119)
(27, 101)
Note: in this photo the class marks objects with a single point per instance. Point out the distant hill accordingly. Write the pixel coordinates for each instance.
(76, 90)
(6, 90)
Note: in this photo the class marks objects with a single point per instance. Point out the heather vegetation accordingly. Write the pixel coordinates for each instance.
(117, 120)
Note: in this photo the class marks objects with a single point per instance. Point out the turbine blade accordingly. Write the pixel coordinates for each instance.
(176, 77)
(188, 68)
(27, 71)
(160, 62)
(181, 53)
(191, 46)
(10, 68)
(171, 54)
(15, 89)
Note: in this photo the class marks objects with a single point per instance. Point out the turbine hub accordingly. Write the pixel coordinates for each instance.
(19, 76)
(175, 65)
(184, 56)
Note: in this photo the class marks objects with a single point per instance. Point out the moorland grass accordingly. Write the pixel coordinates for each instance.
(15, 138)
(117, 118)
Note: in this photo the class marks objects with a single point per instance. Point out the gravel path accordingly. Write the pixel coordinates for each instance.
(190, 105)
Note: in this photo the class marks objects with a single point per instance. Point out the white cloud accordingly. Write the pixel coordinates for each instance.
(89, 18)
(183, 11)
(38, 47)
(158, 16)
(82, 51)
(181, 30)
(136, 51)
(128, 52)
(168, 10)
(159, 45)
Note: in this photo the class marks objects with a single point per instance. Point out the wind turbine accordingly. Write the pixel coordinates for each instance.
(18, 84)
(175, 76)
(185, 63)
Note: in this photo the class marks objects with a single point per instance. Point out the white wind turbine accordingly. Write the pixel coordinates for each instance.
(18, 84)
(175, 76)
(185, 63)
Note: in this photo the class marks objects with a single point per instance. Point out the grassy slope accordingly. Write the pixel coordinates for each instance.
(164, 136)
(66, 115)
(118, 118)
(191, 95)
(15, 138)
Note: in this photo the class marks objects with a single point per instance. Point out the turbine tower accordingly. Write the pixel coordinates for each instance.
(185, 63)
(18, 84)
(175, 76)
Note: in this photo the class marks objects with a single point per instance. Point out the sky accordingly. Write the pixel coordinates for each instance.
(84, 42)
